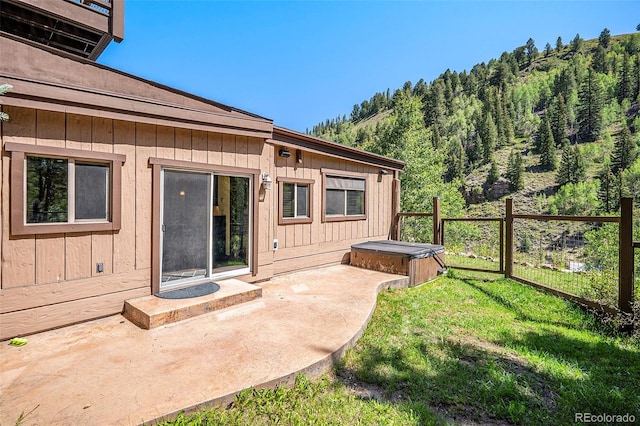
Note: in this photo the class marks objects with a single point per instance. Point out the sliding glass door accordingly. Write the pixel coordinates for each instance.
(205, 227)
(231, 223)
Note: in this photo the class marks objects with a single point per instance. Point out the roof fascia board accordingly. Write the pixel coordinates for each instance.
(294, 139)
(129, 116)
(47, 96)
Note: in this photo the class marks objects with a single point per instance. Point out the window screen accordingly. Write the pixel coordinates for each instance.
(355, 203)
(335, 182)
(302, 200)
(92, 191)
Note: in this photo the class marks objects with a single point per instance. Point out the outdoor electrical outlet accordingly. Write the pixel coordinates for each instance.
(99, 267)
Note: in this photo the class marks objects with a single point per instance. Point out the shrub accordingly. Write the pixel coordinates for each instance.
(576, 199)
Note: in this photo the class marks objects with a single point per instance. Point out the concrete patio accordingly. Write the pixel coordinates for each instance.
(111, 372)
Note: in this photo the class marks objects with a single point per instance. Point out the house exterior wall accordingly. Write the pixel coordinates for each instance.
(47, 281)
(51, 280)
(318, 243)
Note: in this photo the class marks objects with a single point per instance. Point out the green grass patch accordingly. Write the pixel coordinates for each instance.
(453, 260)
(460, 349)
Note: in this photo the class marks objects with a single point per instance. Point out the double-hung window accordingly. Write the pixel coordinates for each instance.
(56, 190)
(344, 197)
(295, 200)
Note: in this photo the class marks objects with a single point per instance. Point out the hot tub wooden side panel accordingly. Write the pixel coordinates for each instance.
(423, 270)
(418, 270)
(380, 262)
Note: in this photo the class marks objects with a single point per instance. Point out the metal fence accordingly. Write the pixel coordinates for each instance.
(588, 259)
(416, 227)
(579, 258)
(475, 244)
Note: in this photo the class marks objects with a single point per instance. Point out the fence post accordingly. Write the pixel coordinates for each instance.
(501, 223)
(395, 208)
(436, 220)
(625, 256)
(508, 264)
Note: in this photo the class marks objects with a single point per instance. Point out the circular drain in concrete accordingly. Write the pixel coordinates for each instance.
(189, 292)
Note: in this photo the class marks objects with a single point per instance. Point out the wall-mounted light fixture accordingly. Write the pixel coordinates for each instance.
(298, 156)
(383, 172)
(266, 181)
(284, 153)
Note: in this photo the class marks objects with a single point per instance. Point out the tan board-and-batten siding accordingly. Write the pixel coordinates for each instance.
(49, 276)
(49, 280)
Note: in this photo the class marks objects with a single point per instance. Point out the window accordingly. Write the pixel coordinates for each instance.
(344, 197)
(295, 200)
(55, 190)
(60, 190)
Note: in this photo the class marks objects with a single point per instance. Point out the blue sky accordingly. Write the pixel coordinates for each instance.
(301, 62)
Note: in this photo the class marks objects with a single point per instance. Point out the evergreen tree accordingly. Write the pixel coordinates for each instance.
(579, 166)
(599, 62)
(531, 50)
(435, 108)
(507, 128)
(436, 138)
(515, 171)
(455, 160)
(572, 166)
(624, 152)
(564, 171)
(605, 38)
(559, 44)
(474, 153)
(489, 135)
(625, 86)
(547, 50)
(564, 83)
(501, 75)
(608, 192)
(448, 90)
(576, 44)
(547, 146)
(558, 119)
(590, 107)
(520, 55)
(494, 174)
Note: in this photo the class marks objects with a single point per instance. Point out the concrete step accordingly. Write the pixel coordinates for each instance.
(150, 311)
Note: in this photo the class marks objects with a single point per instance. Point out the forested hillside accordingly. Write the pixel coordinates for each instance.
(556, 128)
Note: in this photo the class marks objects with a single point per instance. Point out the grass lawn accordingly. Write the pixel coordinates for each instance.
(460, 349)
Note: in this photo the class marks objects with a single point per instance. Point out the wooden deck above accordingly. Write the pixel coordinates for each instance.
(83, 28)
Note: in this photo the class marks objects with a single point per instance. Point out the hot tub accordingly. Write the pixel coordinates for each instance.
(420, 262)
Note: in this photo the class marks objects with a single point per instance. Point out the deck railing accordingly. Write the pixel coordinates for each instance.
(101, 6)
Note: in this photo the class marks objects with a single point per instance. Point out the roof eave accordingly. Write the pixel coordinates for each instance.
(301, 140)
